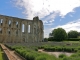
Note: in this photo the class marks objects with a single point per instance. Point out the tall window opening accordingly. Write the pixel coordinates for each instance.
(28, 28)
(9, 22)
(1, 21)
(23, 27)
(17, 24)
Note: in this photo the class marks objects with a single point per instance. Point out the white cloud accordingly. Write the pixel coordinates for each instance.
(50, 19)
(49, 24)
(74, 25)
(43, 8)
(46, 33)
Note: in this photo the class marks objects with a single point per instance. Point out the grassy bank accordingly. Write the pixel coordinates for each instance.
(1, 58)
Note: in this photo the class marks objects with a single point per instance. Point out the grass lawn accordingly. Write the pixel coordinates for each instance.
(1, 55)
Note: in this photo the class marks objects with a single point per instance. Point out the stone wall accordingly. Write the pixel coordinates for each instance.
(17, 30)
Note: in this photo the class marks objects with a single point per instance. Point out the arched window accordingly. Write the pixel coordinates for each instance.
(28, 28)
(23, 27)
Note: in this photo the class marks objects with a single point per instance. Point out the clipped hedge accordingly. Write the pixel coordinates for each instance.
(29, 54)
(61, 48)
(73, 39)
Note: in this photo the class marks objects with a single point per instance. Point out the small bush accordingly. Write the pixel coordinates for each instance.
(65, 58)
(62, 55)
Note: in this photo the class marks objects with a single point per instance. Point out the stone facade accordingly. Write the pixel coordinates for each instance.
(17, 30)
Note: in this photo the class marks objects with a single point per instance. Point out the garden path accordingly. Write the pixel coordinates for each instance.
(55, 53)
(11, 54)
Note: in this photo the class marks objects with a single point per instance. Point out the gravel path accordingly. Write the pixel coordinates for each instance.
(55, 53)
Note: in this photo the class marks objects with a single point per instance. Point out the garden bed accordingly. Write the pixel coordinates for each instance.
(63, 51)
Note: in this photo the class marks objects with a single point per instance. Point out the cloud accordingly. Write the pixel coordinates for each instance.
(48, 20)
(74, 25)
(46, 33)
(47, 10)
(43, 8)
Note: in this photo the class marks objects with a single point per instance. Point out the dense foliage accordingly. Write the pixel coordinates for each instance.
(72, 34)
(73, 39)
(59, 34)
(60, 48)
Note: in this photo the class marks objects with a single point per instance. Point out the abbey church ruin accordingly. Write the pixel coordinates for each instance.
(17, 30)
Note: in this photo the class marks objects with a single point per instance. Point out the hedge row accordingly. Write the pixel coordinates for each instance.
(68, 39)
(60, 48)
(29, 54)
(65, 49)
(34, 55)
(73, 39)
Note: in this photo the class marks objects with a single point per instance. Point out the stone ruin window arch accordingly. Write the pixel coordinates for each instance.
(9, 23)
(29, 27)
(17, 24)
(1, 21)
(23, 28)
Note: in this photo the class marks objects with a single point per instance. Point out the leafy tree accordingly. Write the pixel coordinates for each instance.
(59, 34)
(50, 35)
(73, 34)
(45, 39)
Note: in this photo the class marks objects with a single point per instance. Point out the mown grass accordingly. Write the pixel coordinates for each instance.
(1, 58)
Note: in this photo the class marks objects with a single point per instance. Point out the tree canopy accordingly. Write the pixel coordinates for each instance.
(72, 34)
(59, 34)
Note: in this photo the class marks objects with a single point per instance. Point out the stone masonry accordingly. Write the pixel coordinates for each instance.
(17, 30)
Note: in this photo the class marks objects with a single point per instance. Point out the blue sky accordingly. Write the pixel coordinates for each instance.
(53, 13)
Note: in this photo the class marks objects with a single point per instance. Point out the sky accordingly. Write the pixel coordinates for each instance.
(54, 13)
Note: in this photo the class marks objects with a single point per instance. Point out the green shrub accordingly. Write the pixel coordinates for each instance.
(67, 58)
(41, 58)
(36, 49)
(74, 55)
(62, 55)
(73, 39)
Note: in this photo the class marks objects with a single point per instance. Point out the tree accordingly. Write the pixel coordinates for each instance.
(73, 34)
(45, 39)
(50, 35)
(59, 34)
